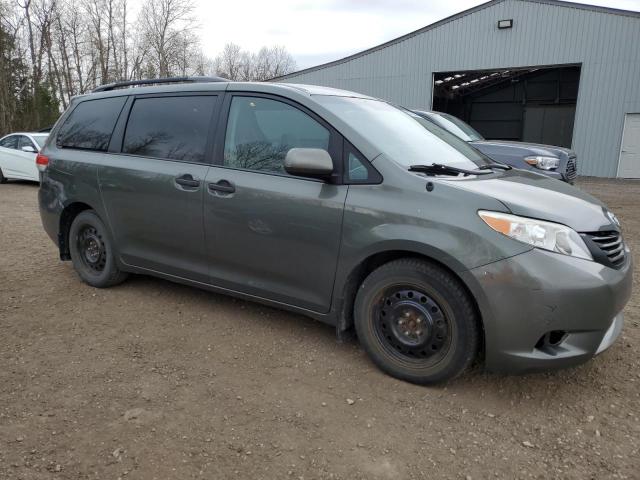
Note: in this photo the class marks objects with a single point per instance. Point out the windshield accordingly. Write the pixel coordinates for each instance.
(456, 126)
(403, 136)
(40, 139)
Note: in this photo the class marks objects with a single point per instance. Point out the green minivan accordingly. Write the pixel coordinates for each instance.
(342, 207)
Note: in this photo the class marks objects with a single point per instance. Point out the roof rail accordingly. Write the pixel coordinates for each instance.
(156, 81)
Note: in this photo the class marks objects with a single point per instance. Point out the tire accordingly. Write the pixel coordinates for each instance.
(92, 251)
(416, 322)
(3, 179)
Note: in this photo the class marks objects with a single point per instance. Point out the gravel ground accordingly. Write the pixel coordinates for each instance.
(156, 380)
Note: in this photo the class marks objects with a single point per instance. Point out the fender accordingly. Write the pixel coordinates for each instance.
(351, 272)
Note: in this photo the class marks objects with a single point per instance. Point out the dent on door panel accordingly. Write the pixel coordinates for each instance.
(276, 237)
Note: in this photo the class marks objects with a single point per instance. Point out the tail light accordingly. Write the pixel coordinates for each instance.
(42, 161)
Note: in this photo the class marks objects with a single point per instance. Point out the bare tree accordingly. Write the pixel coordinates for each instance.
(71, 27)
(11, 69)
(282, 62)
(230, 61)
(51, 50)
(235, 64)
(167, 27)
(37, 19)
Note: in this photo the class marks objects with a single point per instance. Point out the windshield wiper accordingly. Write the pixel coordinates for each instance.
(499, 166)
(439, 169)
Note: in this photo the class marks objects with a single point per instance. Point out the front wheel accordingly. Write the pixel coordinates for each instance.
(416, 322)
(3, 179)
(92, 251)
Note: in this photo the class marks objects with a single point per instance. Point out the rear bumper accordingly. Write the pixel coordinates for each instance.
(543, 310)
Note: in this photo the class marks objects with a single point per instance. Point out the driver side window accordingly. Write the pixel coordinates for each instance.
(10, 142)
(261, 131)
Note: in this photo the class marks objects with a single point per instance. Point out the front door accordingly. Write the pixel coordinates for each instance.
(269, 234)
(15, 162)
(153, 190)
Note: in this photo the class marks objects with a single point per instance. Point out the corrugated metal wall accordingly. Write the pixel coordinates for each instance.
(607, 45)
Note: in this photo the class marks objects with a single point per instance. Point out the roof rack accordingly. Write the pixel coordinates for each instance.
(157, 81)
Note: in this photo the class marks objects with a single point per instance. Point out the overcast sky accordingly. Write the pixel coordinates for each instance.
(318, 31)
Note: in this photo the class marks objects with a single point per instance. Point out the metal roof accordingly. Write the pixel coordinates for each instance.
(439, 23)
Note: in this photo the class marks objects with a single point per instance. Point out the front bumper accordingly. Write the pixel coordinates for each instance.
(544, 310)
(612, 333)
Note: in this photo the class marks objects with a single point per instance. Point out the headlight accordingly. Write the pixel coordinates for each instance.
(546, 235)
(543, 163)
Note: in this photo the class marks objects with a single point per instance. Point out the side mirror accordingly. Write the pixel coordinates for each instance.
(308, 162)
(28, 149)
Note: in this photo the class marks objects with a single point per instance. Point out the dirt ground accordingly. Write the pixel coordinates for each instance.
(152, 380)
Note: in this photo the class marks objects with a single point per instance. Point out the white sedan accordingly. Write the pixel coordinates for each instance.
(18, 156)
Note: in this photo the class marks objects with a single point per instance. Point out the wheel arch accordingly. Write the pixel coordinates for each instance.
(68, 214)
(363, 268)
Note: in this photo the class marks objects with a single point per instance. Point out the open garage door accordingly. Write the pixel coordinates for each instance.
(534, 104)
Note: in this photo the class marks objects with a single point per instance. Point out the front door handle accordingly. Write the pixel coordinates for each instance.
(222, 186)
(187, 180)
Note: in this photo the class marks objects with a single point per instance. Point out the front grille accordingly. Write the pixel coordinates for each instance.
(572, 168)
(606, 247)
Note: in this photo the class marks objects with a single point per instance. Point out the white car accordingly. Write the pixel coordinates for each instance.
(18, 156)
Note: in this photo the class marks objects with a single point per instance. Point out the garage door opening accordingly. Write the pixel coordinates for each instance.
(534, 104)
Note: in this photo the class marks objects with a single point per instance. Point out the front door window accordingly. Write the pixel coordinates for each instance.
(261, 131)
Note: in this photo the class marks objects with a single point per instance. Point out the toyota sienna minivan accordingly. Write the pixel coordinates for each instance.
(341, 207)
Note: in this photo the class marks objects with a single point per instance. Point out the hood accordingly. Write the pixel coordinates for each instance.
(537, 196)
(524, 148)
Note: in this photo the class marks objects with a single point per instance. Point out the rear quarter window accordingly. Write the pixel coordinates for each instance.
(90, 125)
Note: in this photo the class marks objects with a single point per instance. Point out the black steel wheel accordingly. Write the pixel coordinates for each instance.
(92, 248)
(411, 325)
(92, 251)
(416, 321)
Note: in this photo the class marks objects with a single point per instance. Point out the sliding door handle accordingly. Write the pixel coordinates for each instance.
(222, 186)
(187, 181)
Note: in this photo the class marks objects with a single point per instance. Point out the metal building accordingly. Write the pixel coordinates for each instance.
(533, 70)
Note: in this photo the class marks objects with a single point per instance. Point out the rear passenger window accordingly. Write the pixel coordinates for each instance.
(90, 125)
(173, 128)
(260, 132)
(25, 142)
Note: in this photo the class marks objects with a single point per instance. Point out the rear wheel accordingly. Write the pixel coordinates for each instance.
(3, 179)
(416, 322)
(92, 251)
